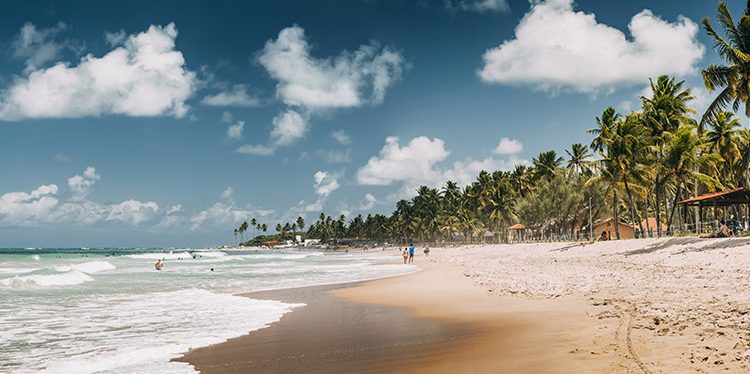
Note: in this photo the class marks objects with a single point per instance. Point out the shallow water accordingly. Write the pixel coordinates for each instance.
(107, 310)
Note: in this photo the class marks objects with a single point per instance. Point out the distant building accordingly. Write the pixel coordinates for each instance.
(626, 231)
(310, 242)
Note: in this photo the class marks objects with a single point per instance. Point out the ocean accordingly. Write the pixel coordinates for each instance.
(96, 310)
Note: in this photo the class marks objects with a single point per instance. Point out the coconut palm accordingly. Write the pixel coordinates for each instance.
(605, 124)
(732, 79)
(579, 159)
(684, 158)
(545, 164)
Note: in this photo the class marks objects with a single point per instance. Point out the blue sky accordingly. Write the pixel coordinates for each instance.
(168, 123)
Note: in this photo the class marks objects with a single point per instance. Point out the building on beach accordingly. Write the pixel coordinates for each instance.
(626, 231)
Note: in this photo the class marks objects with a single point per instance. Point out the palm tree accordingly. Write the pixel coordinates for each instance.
(546, 163)
(733, 78)
(723, 138)
(579, 159)
(301, 223)
(253, 222)
(235, 234)
(683, 160)
(605, 124)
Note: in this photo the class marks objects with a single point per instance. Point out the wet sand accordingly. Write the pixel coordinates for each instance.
(434, 321)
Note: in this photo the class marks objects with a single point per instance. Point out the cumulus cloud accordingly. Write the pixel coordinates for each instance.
(38, 46)
(146, 76)
(133, 212)
(228, 194)
(559, 49)
(325, 183)
(81, 185)
(508, 147)
(236, 96)
(419, 163)
(341, 137)
(18, 208)
(288, 128)
(174, 209)
(348, 80)
(414, 161)
(367, 202)
(219, 214)
(41, 206)
(234, 132)
(115, 38)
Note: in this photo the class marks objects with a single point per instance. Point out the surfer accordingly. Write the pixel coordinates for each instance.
(159, 265)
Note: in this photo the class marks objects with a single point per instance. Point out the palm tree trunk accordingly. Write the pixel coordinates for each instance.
(674, 205)
(657, 204)
(634, 215)
(616, 220)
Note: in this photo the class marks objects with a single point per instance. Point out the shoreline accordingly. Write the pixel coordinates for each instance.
(431, 321)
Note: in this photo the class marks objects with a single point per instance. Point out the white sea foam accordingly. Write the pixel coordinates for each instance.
(212, 254)
(69, 278)
(36, 257)
(140, 333)
(87, 267)
(16, 270)
(163, 256)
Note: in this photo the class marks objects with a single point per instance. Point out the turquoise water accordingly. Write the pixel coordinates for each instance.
(87, 310)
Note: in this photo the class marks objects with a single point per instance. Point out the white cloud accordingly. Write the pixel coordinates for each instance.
(219, 214)
(347, 80)
(227, 117)
(133, 212)
(38, 46)
(413, 162)
(558, 49)
(234, 132)
(367, 203)
(418, 163)
(18, 208)
(146, 76)
(258, 150)
(508, 147)
(228, 193)
(478, 5)
(288, 128)
(115, 38)
(237, 96)
(341, 136)
(325, 183)
(465, 172)
(174, 209)
(81, 185)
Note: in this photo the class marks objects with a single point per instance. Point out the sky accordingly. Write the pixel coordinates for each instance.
(168, 123)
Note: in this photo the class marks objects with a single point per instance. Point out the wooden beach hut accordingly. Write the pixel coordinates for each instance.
(608, 225)
(720, 204)
(517, 233)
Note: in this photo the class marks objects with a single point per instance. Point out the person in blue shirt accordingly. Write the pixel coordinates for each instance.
(411, 253)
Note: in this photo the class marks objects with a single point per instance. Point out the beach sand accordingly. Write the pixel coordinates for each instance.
(672, 305)
(433, 321)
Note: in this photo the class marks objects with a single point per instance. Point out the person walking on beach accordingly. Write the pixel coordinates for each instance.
(411, 253)
(406, 255)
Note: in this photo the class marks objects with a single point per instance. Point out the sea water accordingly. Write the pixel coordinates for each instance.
(108, 310)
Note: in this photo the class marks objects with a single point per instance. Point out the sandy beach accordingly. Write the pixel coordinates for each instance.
(631, 306)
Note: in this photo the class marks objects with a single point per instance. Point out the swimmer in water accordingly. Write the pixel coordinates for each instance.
(159, 265)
